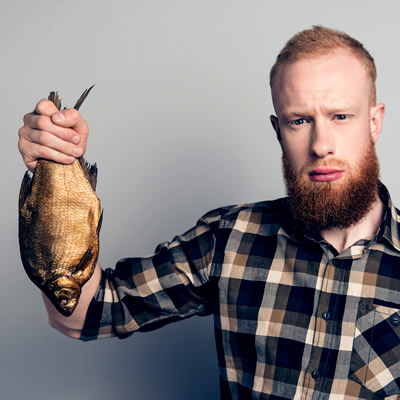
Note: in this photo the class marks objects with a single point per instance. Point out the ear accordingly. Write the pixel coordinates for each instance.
(275, 124)
(376, 115)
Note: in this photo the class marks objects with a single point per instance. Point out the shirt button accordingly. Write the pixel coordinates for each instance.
(395, 320)
(315, 374)
(326, 315)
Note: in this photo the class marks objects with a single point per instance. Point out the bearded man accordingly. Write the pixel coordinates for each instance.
(304, 290)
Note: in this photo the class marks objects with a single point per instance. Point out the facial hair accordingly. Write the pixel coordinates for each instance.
(319, 206)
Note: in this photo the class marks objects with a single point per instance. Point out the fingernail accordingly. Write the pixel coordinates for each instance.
(76, 139)
(71, 159)
(58, 117)
(77, 151)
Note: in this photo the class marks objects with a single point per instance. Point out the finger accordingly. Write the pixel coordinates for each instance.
(30, 136)
(45, 107)
(31, 152)
(70, 118)
(31, 165)
(39, 123)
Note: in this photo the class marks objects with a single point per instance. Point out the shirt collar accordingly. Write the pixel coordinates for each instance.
(390, 228)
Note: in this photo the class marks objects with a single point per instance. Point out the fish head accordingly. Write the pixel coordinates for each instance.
(63, 291)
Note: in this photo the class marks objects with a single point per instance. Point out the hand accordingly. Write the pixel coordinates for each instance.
(59, 136)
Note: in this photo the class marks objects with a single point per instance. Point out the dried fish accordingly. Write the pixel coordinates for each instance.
(59, 223)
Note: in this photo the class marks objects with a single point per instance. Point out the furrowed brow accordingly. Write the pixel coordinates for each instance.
(287, 116)
(299, 113)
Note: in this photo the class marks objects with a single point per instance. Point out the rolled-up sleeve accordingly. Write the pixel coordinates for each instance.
(143, 294)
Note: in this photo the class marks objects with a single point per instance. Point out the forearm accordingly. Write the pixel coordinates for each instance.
(72, 326)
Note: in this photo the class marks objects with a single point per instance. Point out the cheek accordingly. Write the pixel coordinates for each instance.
(355, 144)
(296, 152)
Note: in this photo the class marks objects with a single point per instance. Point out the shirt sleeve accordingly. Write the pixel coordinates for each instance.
(142, 294)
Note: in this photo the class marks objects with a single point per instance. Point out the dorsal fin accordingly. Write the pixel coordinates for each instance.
(26, 186)
(90, 171)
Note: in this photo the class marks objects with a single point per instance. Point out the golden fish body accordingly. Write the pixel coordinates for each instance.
(59, 223)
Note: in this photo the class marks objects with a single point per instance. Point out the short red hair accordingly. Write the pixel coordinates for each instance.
(319, 41)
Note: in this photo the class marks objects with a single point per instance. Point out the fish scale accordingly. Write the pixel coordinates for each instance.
(59, 223)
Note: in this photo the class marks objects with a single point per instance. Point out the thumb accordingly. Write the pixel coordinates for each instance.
(70, 118)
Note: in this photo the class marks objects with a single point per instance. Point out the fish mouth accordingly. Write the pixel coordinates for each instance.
(64, 293)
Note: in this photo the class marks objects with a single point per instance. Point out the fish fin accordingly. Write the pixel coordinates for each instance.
(83, 97)
(99, 224)
(53, 96)
(85, 260)
(80, 271)
(90, 171)
(26, 186)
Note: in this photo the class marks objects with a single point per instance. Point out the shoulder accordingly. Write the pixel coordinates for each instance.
(263, 213)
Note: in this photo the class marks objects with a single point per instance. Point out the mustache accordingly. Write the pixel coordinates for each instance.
(333, 164)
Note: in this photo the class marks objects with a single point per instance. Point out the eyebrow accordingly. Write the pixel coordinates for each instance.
(288, 115)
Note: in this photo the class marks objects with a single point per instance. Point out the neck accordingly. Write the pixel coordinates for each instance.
(341, 239)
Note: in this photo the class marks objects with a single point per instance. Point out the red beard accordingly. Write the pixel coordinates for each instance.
(325, 205)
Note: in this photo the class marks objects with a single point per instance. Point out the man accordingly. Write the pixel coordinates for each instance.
(304, 290)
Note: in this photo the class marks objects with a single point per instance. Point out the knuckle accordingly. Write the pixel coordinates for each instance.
(20, 146)
(72, 114)
(63, 134)
(42, 106)
(42, 122)
(26, 118)
(21, 132)
(26, 159)
(44, 152)
(42, 138)
(56, 156)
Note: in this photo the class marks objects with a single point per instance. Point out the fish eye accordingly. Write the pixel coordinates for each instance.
(62, 301)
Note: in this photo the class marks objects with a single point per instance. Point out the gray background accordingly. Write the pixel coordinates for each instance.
(179, 125)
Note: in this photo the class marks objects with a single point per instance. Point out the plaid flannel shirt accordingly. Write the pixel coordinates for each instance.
(293, 318)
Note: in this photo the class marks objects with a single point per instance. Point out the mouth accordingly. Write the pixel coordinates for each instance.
(66, 301)
(325, 174)
(64, 293)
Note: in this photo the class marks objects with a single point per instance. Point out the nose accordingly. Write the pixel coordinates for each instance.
(322, 140)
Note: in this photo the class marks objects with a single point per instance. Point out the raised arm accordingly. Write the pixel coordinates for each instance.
(58, 136)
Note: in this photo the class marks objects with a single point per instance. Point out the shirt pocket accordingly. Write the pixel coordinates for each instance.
(375, 358)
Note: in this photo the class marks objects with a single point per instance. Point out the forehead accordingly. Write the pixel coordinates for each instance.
(334, 77)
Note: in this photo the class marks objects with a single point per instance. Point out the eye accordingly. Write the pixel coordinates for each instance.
(341, 117)
(298, 122)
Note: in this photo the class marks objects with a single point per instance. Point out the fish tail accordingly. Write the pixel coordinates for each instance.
(83, 97)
